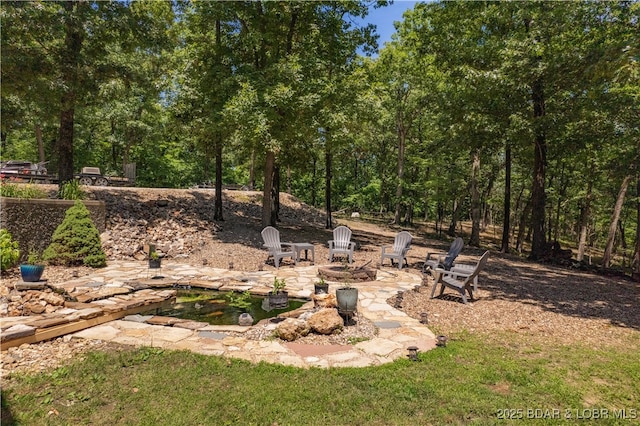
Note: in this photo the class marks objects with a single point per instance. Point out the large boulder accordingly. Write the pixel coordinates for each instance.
(52, 298)
(292, 328)
(35, 307)
(326, 321)
(325, 300)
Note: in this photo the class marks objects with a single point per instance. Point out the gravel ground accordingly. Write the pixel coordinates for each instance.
(517, 299)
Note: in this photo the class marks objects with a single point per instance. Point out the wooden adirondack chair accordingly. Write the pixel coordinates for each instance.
(341, 243)
(459, 281)
(271, 237)
(432, 263)
(401, 245)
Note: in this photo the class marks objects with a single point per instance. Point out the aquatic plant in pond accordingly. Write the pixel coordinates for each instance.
(241, 301)
(214, 308)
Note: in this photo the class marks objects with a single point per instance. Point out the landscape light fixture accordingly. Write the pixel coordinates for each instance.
(398, 304)
(413, 353)
(441, 341)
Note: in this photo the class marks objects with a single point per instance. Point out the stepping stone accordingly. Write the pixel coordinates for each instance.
(102, 293)
(387, 324)
(78, 305)
(191, 325)
(86, 314)
(23, 285)
(306, 350)
(136, 285)
(49, 322)
(212, 335)
(379, 347)
(85, 298)
(161, 320)
(158, 282)
(214, 285)
(17, 331)
(137, 318)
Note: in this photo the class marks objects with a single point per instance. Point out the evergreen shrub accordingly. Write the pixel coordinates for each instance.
(9, 253)
(76, 240)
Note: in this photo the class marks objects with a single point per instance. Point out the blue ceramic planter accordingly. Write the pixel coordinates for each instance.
(31, 273)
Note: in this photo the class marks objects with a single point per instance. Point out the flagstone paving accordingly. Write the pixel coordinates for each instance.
(397, 331)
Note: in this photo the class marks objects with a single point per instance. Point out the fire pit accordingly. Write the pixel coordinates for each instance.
(348, 274)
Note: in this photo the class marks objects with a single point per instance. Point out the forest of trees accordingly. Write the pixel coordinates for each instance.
(522, 115)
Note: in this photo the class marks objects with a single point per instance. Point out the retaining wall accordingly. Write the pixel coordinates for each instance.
(32, 222)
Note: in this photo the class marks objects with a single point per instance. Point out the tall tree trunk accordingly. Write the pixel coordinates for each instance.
(408, 215)
(355, 172)
(474, 241)
(401, 149)
(585, 214)
(635, 265)
(613, 225)
(252, 170)
(538, 197)
(65, 140)
(486, 210)
(217, 209)
(454, 219)
(70, 56)
(114, 144)
(522, 226)
(562, 192)
(38, 131)
(269, 164)
(506, 224)
(314, 185)
(549, 224)
(327, 186)
(206, 147)
(440, 219)
(131, 137)
(275, 196)
(517, 212)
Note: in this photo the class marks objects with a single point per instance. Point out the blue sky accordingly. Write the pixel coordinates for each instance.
(384, 17)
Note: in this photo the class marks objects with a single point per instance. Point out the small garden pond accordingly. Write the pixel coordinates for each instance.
(213, 307)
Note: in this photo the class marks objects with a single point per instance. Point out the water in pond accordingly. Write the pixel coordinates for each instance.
(212, 306)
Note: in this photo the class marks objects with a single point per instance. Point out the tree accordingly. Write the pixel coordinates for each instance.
(516, 80)
(615, 216)
(69, 49)
(278, 49)
(403, 77)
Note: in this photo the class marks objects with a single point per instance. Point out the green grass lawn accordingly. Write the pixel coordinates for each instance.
(473, 380)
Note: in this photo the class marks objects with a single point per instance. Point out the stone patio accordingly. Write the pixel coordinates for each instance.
(109, 300)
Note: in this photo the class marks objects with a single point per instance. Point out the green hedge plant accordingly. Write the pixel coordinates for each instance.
(11, 190)
(9, 253)
(71, 191)
(76, 240)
